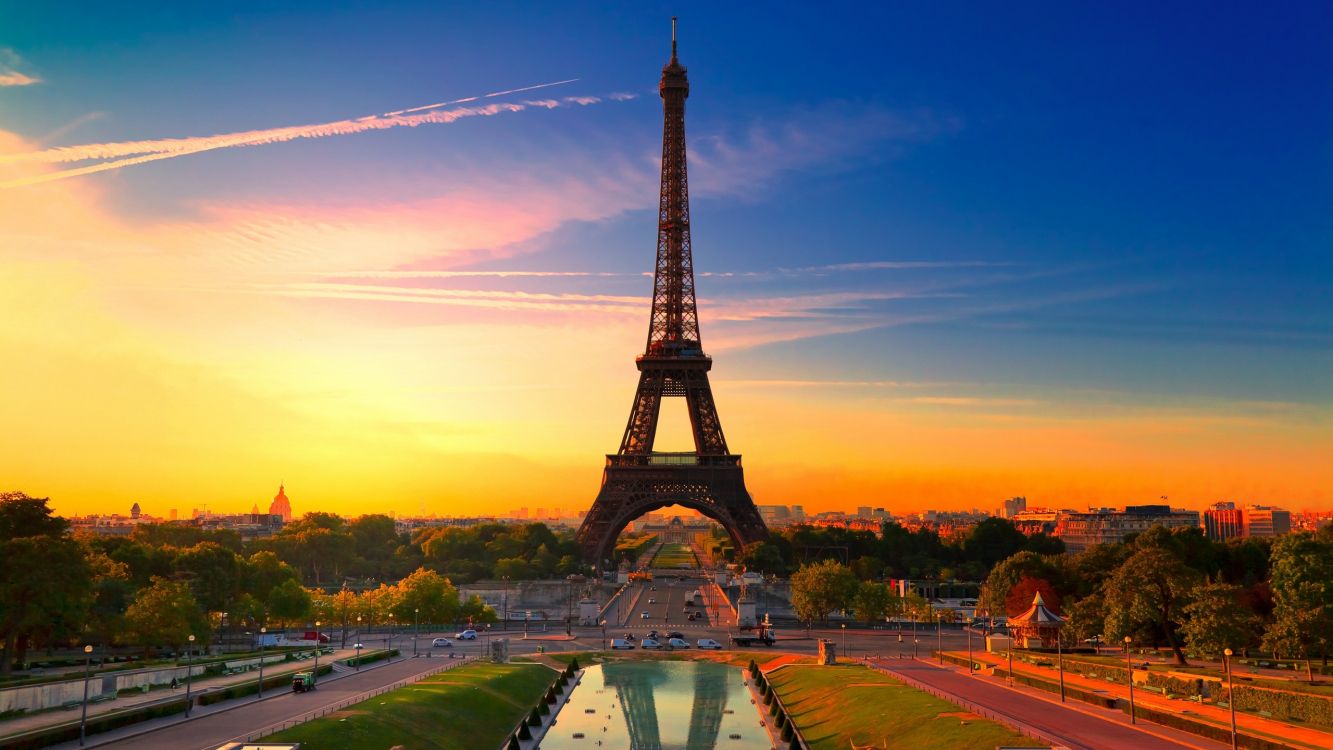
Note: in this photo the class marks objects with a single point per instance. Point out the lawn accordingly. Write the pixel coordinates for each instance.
(473, 706)
(836, 707)
(674, 555)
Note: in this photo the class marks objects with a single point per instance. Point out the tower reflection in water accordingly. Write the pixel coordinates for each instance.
(659, 705)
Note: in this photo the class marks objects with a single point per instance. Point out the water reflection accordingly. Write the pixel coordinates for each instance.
(659, 705)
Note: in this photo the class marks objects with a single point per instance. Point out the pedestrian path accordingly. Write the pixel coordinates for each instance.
(1298, 736)
(1077, 726)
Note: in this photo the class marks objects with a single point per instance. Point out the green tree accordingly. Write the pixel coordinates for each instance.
(165, 613)
(873, 601)
(763, 557)
(45, 590)
(1004, 576)
(289, 604)
(429, 592)
(1302, 580)
(993, 540)
(22, 516)
(1150, 591)
(821, 588)
(1216, 620)
(214, 574)
(263, 571)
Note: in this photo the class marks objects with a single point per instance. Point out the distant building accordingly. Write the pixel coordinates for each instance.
(1036, 521)
(863, 511)
(1013, 506)
(1079, 531)
(134, 511)
(1223, 521)
(1262, 520)
(281, 506)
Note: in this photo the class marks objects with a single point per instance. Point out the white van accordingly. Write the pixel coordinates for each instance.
(621, 643)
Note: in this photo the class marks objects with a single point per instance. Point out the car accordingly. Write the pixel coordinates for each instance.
(622, 643)
(651, 600)
(709, 643)
(467, 635)
(675, 634)
(692, 617)
(652, 634)
(643, 615)
(678, 643)
(442, 643)
(649, 643)
(652, 588)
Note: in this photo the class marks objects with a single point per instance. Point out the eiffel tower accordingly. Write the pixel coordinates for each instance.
(637, 479)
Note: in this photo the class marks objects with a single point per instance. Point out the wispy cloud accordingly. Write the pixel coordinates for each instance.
(129, 153)
(9, 72)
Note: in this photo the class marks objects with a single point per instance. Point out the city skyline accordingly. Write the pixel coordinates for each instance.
(416, 282)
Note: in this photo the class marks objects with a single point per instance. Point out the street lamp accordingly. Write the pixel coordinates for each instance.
(189, 672)
(1231, 697)
(939, 636)
(1010, 649)
(221, 620)
(263, 636)
(1129, 669)
(1060, 659)
(87, 665)
(357, 646)
(843, 646)
(416, 616)
(315, 677)
(603, 635)
(969, 649)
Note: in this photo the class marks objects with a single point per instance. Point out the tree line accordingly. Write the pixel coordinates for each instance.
(162, 583)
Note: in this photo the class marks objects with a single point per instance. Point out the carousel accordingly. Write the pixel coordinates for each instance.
(1038, 626)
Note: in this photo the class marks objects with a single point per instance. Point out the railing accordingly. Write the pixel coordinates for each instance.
(326, 710)
(672, 459)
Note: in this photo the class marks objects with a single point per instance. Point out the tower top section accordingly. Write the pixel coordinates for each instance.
(673, 73)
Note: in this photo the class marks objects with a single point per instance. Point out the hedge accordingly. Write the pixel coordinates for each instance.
(102, 723)
(1210, 731)
(370, 658)
(250, 687)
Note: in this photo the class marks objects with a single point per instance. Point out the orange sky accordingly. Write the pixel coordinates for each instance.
(183, 361)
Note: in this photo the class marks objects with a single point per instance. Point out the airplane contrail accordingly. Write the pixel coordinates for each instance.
(129, 153)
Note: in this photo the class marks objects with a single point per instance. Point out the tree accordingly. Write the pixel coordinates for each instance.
(429, 592)
(289, 604)
(1004, 576)
(993, 540)
(763, 557)
(1025, 591)
(1215, 620)
(214, 574)
(45, 589)
(1150, 590)
(818, 589)
(873, 601)
(262, 572)
(22, 516)
(165, 613)
(1302, 580)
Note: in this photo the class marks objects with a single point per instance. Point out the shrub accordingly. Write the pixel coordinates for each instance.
(523, 732)
(534, 718)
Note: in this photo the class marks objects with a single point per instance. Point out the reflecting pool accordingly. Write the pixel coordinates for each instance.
(659, 705)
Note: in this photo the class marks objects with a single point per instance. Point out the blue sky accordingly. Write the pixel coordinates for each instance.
(1089, 206)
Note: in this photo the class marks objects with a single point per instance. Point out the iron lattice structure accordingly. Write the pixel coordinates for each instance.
(638, 480)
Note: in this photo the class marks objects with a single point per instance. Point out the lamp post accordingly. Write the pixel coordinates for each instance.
(263, 636)
(1231, 696)
(416, 615)
(87, 665)
(1060, 659)
(915, 640)
(315, 676)
(388, 643)
(1010, 649)
(843, 646)
(357, 646)
(969, 649)
(221, 620)
(1129, 670)
(506, 601)
(939, 636)
(603, 635)
(189, 671)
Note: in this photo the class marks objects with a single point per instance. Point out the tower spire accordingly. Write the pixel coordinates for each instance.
(673, 38)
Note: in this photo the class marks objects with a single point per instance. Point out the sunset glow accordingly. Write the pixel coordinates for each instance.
(913, 299)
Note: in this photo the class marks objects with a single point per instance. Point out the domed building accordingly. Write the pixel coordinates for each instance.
(281, 506)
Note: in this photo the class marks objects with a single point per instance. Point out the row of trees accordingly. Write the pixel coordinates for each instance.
(163, 583)
(896, 551)
(1172, 588)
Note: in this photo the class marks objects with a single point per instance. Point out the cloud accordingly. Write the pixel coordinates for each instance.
(9, 73)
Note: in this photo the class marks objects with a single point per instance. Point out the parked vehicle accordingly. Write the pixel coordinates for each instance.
(652, 634)
(649, 643)
(303, 682)
(643, 615)
(618, 643)
(442, 643)
(675, 634)
(709, 643)
(467, 635)
(678, 643)
(762, 636)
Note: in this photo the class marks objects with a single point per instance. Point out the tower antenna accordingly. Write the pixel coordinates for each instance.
(673, 37)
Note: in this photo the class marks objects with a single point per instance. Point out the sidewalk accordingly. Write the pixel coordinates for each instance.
(1297, 735)
(199, 686)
